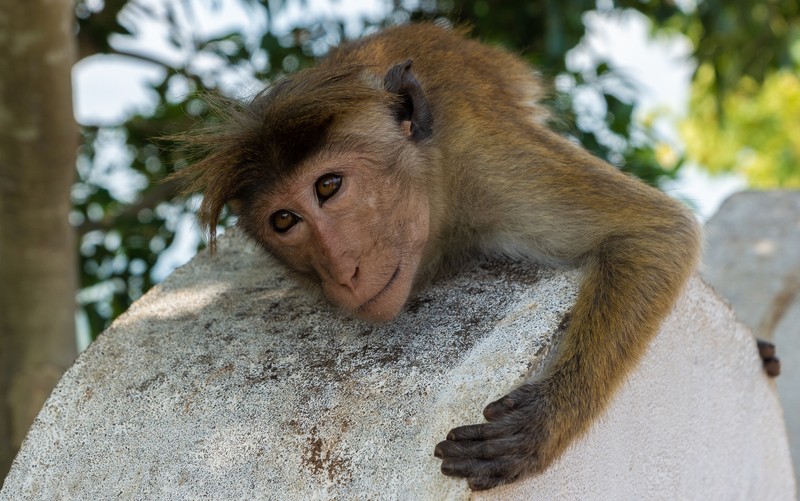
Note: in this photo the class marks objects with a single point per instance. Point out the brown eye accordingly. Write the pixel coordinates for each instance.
(327, 186)
(283, 220)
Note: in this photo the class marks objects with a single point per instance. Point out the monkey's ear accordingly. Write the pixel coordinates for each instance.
(413, 107)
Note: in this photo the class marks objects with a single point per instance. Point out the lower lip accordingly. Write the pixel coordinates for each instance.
(380, 293)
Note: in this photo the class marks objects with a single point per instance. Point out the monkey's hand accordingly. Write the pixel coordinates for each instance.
(525, 433)
(772, 365)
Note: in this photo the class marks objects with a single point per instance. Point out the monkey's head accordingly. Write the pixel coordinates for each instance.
(327, 171)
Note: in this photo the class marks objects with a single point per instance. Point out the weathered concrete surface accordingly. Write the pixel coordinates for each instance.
(227, 383)
(753, 259)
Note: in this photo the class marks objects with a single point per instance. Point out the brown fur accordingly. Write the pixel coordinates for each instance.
(490, 179)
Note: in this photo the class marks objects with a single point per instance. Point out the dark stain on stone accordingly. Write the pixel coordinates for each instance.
(204, 359)
(312, 459)
(518, 271)
(260, 376)
(320, 458)
(149, 382)
(304, 333)
(220, 371)
(417, 303)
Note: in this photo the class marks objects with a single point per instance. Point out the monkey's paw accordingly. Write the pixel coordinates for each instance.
(517, 441)
(772, 365)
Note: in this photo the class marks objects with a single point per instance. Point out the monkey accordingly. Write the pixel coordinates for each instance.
(406, 154)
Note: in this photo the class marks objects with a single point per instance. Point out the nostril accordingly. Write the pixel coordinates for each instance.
(355, 274)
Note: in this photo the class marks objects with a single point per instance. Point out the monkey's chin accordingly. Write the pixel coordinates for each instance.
(388, 302)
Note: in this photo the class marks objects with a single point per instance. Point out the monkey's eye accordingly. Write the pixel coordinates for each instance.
(283, 220)
(327, 186)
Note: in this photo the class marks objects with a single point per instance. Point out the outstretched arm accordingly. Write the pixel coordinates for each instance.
(638, 248)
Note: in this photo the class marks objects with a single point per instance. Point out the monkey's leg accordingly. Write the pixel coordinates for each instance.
(772, 365)
(628, 287)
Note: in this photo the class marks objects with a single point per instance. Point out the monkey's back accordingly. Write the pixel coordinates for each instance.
(456, 73)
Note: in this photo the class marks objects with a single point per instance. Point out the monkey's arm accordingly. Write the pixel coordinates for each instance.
(638, 248)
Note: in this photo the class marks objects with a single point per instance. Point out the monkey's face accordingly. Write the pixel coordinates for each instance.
(347, 225)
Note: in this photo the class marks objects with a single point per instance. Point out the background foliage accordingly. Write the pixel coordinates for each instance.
(744, 105)
(753, 130)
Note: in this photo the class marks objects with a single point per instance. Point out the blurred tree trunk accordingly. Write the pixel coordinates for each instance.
(38, 141)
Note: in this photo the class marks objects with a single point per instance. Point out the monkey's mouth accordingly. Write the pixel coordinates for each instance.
(386, 287)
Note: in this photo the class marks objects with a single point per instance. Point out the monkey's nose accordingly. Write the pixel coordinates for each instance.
(346, 276)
